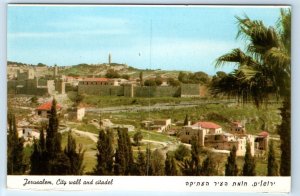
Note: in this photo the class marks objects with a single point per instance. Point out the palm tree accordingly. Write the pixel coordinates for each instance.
(263, 70)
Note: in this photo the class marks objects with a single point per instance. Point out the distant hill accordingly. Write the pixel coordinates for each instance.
(99, 70)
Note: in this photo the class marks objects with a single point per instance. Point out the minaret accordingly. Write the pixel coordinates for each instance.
(109, 59)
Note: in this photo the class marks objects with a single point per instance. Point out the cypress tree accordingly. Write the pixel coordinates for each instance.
(272, 164)
(208, 167)
(284, 131)
(249, 164)
(38, 157)
(157, 163)
(148, 161)
(141, 163)
(15, 147)
(141, 79)
(75, 158)
(58, 162)
(120, 159)
(231, 168)
(128, 154)
(170, 166)
(105, 153)
(35, 160)
(195, 162)
(186, 120)
(110, 151)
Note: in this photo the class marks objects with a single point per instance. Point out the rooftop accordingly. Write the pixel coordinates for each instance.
(47, 106)
(207, 125)
(96, 79)
(263, 134)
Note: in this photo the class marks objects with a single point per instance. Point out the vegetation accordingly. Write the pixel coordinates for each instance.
(249, 164)
(137, 137)
(15, 164)
(231, 168)
(264, 69)
(272, 164)
(194, 78)
(105, 153)
(76, 158)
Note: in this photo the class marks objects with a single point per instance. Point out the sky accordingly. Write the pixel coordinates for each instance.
(186, 38)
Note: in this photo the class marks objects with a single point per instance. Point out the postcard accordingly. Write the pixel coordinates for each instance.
(134, 97)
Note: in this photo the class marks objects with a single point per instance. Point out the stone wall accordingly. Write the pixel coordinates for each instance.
(101, 90)
(190, 90)
(156, 91)
(28, 87)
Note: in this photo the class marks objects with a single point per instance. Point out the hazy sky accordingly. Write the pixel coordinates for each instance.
(183, 38)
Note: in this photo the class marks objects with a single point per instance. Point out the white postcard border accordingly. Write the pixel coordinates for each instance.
(151, 183)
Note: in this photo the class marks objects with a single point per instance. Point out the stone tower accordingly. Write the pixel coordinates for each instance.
(55, 71)
(109, 58)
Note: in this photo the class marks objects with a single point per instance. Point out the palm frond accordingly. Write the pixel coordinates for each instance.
(236, 56)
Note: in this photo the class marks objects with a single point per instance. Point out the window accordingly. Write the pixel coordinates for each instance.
(187, 133)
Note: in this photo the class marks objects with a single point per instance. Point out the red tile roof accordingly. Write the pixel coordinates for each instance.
(263, 134)
(96, 79)
(47, 106)
(207, 125)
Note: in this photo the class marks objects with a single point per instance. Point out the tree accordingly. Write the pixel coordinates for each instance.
(186, 120)
(231, 168)
(200, 78)
(150, 82)
(196, 150)
(158, 80)
(249, 162)
(141, 163)
(208, 167)
(15, 147)
(111, 73)
(170, 166)
(76, 158)
(182, 152)
(125, 76)
(124, 156)
(58, 163)
(183, 77)
(141, 78)
(39, 156)
(148, 161)
(105, 153)
(137, 137)
(264, 69)
(272, 164)
(173, 82)
(157, 163)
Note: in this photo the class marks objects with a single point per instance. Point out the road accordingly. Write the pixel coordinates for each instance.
(156, 107)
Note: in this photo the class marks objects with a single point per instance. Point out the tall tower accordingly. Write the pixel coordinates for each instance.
(55, 70)
(109, 58)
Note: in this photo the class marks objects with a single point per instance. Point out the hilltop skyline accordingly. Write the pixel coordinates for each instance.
(181, 38)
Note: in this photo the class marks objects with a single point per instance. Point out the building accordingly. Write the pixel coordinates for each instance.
(76, 113)
(211, 135)
(159, 125)
(262, 141)
(44, 110)
(238, 128)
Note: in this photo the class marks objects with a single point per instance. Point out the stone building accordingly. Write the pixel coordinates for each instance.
(43, 110)
(211, 135)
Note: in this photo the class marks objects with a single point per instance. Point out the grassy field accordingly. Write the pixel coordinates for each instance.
(256, 119)
(110, 101)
